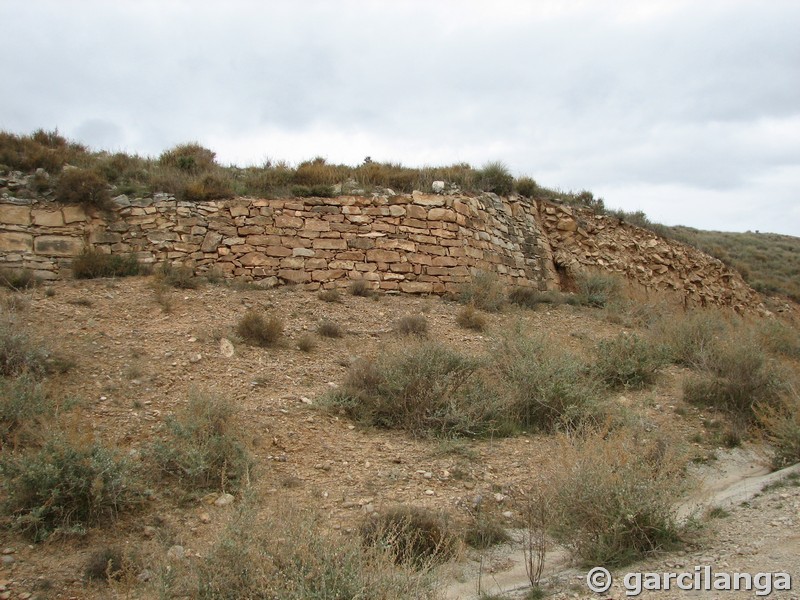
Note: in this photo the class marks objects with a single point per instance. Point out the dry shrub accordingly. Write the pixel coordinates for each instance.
(109, 563)
(331, 295)
(17, 279)
(83, 186)
(212, 186)
(254, 329)
(627, 361)
(327, 328)
(614, 496)
(545, 387)
(286, 554)
(470, 318)
(306, 343)
(484, 291)
(23, 404)
(360, 287)
(91, 264)
(65, 486)
(200, 447)
(485, 529)
(690, 340)
(42, 149)
(780, 338)
(412, 325)
(317, 172)
(781, 424)
(190, 158)
(598, 289)
(19, 355)
(177, 276)
(738, 376)
(424, 388)
(412, 535)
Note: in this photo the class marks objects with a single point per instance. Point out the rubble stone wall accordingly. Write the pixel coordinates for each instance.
(418, 243)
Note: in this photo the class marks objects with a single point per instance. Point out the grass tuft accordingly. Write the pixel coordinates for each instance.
(257, 330)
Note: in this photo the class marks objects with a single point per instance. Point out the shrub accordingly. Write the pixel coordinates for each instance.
(691, 340)
(191, 158)
(315, 191)
(22, 404)
(526, 186)
(42, 149)
(781, 423)
(65, 486)
(213, 186)
(17, 279)
(614, 495)
(780, 338)
(547, 389)
(530, 298)
(469, 318)
(84, 187)
(306, 343)
(411, 535)
(329, 329)
(485, 530)
(424, 388)
(739, 377)
(412, 325)
(91, 264)
(286, 555)
(597, 290)
(254, 329)
(360, 287)
(106, 564)
(484, 291)
(331, 295)
(19, 355)
(627, 361)
(200, 448)
(495, 177)
(179, 276)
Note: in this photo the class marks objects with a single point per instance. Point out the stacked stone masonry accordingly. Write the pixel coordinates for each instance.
(418, 243)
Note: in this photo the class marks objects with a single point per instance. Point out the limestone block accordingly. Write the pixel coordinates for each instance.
(416, 287)
(278, 251)
(386, 256)
(12, 241)
(317, 225)
(58, 245)
(239, 210)
(294, 275)
(330, 244)
(253, 259)
(292, 262)
(287, 222)
(15, 215)
(47, 218)
(441, 214)
(105, 237)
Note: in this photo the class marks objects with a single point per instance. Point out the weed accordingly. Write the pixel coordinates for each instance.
(190, 157)
(412, 325)
(597, 290)
(484, 291)
(526, 186)
(254, 329)
(469, 318)
(200, 448)
(690, 341)
(718, 513)
(781, 424)
(22, 404)
(495, 177)
(780, 338)
(411, 535)
(19, 355)
(65, 486)
(105, 564)
(180, 277)
(485, 530)
(329, 329)
(91, 264)
(212, 186)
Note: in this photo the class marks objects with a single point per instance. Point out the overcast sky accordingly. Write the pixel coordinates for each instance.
(689, 111)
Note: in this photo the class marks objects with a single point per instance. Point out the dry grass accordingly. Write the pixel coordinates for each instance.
(328, 328)
(412, 325)
(258, 330)
(470, 318)
(484, 291)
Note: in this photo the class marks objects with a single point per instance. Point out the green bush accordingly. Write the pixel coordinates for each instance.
(200, 447)
(83, 186)
(526, 186)
(495, 177)
(740, 376)
(191, 158)
(614, 496)
(254, 329)
(91, 264)
(597, 290)
(65, 486)
(18, 355)
(23, 403)
(484, 291)
(627, 361)
(546, 388)
(424, 388)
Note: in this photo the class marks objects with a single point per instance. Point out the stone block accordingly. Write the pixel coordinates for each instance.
(47, 218)
(294, 275)
(254, 259)
(105, 237)
(288, 222)
(211, 242)
(330, 244)
(416, 287)
(15, 215)
(317, 225)
(386, 256)
(278, 251)
(239, 210)
(442, 214)
(12, 241)
(58, 245)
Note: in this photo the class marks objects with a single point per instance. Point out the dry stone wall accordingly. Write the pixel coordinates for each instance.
(418, 243)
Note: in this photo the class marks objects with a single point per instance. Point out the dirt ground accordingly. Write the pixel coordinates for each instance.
(136, 363)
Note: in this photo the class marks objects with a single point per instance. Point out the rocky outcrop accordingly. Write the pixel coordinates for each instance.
(418, 243)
